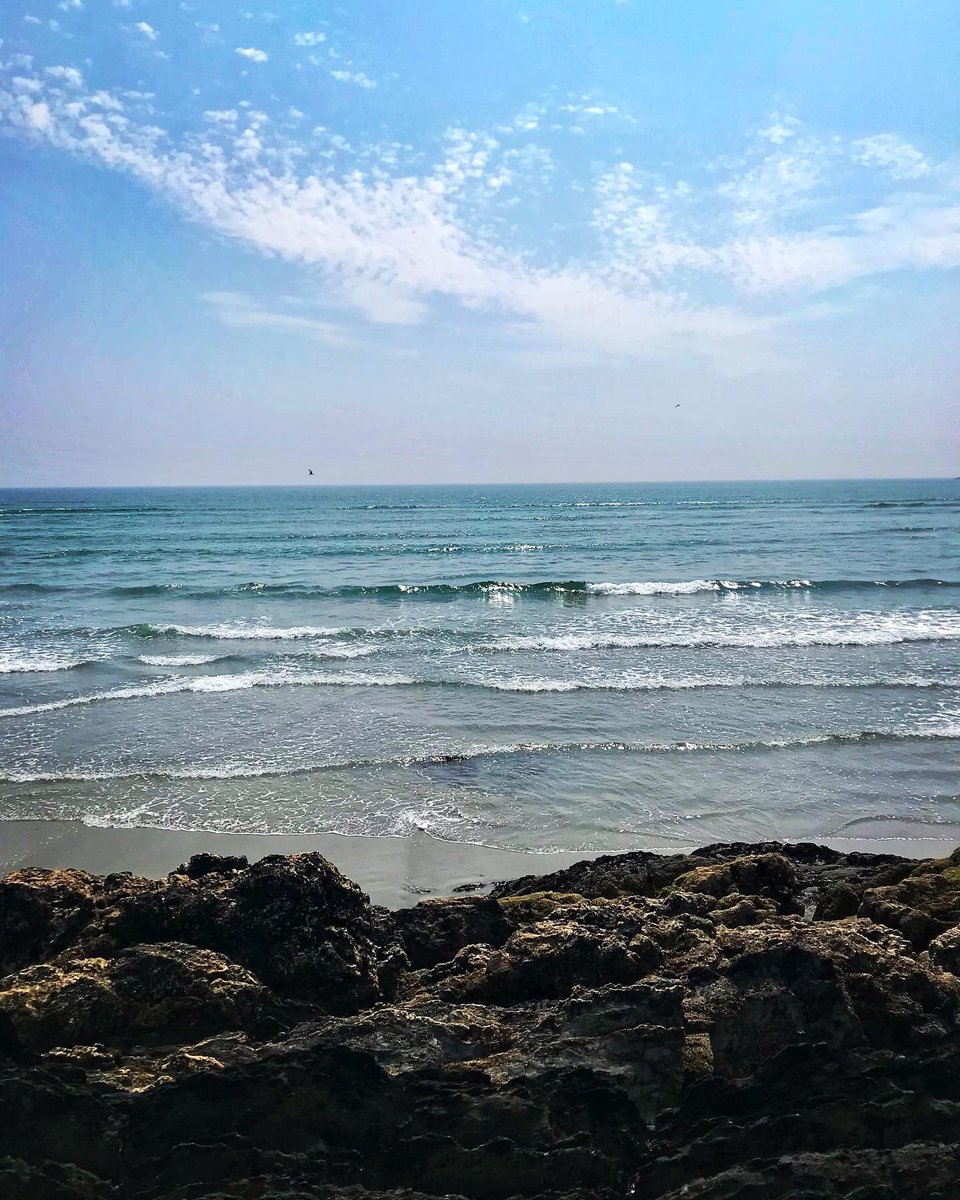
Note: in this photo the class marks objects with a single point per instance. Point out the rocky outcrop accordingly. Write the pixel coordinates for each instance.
(164, 993)
(744, 1022)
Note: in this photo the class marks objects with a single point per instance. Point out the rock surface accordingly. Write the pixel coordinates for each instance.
(744, 1022)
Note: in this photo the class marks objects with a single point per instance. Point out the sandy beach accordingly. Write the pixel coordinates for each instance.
(394, 871)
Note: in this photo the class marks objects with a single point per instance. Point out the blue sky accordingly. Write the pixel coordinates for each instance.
(434, 242)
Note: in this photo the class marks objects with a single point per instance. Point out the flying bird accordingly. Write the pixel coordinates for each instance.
(675, 406)
(309, 470)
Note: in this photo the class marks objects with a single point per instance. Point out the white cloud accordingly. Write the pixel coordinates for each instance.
(66, 5)
(148, 31)
(888, 151)
(38, 116)
(242, 312)
(310, 38)
(688, 266)
(591, 108)
(782, 127)
(252, 53)
(69, 75)
(781, 183)
(356, 77)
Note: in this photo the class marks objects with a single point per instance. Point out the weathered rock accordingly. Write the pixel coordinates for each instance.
(945, 951)
(923, 905)
(170, 992)
(212, 864)
(837, 901)
(638, 873)
(770, 876)
(26, 1181)
(741, 1023)
(914, 1172)
(544, 962)
(297, 923)
(434, 930)
(42, 912)
(767, 1000)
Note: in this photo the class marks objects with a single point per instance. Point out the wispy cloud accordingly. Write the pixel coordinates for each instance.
(902, 160)
(356, 77)
(713, 263)
(243, 312)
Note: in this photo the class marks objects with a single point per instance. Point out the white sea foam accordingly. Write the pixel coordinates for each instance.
(212, 683)
(687, 588)
(180, 660)
(657, 683)
(343, 651)
(235, 631)
(869, 629)
(690, 587)
(14, 662)
(614, 684)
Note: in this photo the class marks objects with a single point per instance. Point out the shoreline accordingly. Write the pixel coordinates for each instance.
(396, 872)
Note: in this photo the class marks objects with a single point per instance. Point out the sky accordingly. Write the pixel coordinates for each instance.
(413, 241)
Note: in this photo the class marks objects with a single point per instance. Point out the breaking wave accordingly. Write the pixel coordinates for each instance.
(884, 629)
(14, 662)
(235, 770)
(235, 631)
(265, 679)
(487, 587)
(181, 660)
(211, 683)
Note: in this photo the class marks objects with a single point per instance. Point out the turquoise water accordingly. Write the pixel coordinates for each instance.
(538, 667)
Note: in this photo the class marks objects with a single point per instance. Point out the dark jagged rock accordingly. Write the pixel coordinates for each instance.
(43, 912)
(27, 1181)
(769, 876)
(434, 930)
(212, 864)
(744, 1022)
(169, 992)
(296, 922)
(922, 905)
(638, 873)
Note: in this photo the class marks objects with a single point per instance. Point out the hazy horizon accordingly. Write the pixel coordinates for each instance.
(584, 241)
(469, 483)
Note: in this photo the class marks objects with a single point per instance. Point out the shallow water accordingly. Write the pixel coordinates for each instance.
(580, 667)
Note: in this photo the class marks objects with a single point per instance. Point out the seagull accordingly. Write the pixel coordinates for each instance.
(675, 406)
(309, 470)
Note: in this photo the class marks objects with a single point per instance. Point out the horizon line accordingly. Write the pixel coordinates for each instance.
(41, 487)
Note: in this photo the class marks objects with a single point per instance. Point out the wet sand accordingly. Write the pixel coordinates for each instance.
(396, 872)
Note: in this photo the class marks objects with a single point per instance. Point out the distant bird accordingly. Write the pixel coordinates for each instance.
(675, 406)
(309, 471)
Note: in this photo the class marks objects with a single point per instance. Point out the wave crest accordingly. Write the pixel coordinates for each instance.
(946, 732)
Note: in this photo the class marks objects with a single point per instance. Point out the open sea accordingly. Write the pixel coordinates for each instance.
(531, 667)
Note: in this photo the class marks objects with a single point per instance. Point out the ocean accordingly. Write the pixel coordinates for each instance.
(583, 667)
